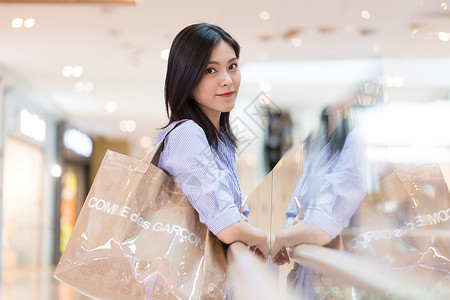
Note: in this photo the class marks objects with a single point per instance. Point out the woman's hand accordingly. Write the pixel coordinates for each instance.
(251, 236)
(261, 249)
(279, 254)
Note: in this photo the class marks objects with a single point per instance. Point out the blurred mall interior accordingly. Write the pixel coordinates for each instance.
(79, 77)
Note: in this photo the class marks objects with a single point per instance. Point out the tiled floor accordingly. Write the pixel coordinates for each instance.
(35, 284)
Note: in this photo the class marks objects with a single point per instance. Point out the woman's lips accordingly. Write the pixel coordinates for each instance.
(229, 94)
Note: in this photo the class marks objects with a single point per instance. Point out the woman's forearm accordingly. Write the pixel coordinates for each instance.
(302, 233)
(242, 232)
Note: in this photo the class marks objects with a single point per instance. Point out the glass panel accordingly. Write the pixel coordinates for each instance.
(377, 185)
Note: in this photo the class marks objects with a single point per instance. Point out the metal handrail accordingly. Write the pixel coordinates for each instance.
(357, 271)
(251, 277)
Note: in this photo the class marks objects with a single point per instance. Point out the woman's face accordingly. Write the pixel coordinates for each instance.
(217, 91)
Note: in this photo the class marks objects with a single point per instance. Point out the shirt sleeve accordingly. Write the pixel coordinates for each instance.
(341, 193)
(188, 157)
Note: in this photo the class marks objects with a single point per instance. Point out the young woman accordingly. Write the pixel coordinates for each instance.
(202, 84)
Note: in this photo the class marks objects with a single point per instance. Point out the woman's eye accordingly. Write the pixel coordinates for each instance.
(210, 71)
(233, 66)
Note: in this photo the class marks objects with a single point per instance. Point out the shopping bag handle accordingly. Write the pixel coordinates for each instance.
(153, 156)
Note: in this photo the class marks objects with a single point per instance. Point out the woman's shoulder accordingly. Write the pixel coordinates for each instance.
(187, 126)
(353, 137)
(188, 130)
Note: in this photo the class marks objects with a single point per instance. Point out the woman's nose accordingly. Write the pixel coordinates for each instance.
(226, 79)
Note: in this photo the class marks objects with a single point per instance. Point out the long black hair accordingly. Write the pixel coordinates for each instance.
(188, 58)
(337, 138)
(339, 134)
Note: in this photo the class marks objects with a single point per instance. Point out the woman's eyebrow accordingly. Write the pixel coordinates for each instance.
(216, 63)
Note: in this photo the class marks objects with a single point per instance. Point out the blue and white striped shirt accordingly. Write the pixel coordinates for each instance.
(331, 187)
(207, 176)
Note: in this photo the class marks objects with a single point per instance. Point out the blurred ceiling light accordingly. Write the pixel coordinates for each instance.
(444, 36)
(266, 38)
(296, 41)
(67, 71)
(131, 126)
(88, 87)
(366, 31)
(79, 87)
(29, 23)
(56, 171)
(416, 26)
(376, 48)
(122, 125)
(291, 33)
(17, 22)
(127, 125)
(395, 81)
(444, 6)
(265, 86)
(164, 54)
(264, 15)
(145, 141)
(77, 71)
(111, 106)
(325, 29)
(365, 14)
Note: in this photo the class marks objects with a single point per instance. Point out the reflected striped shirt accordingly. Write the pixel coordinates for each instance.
(331, 187)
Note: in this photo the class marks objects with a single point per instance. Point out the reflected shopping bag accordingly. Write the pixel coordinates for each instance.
(405, 225)
(138, 237)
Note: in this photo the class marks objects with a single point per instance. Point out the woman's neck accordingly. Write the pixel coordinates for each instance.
(212, 115)
(216, 121)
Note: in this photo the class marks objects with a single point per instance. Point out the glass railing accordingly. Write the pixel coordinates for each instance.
(383, 199)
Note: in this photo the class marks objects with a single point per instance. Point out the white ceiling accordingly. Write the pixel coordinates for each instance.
(119, 48)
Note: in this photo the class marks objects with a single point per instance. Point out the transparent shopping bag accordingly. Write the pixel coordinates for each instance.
(138, 237)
